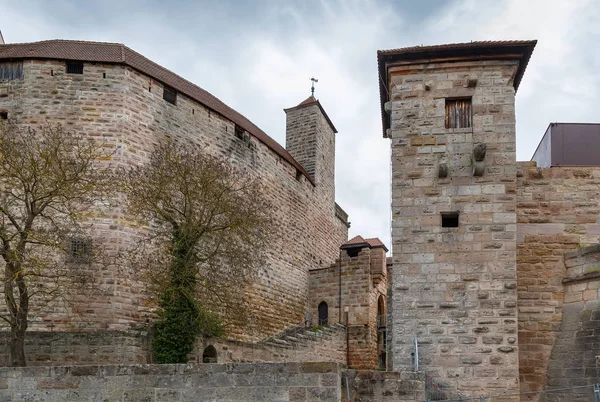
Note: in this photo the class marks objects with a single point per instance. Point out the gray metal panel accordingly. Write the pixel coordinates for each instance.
(542, 154)
(575, 144)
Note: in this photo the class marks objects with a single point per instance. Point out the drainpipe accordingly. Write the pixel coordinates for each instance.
(340, 287)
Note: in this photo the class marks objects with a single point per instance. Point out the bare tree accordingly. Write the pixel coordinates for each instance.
(49, 180)
(210, 226)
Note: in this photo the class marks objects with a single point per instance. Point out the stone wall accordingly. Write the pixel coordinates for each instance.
(454, 288)
(43, 348)
(125, 108)
(380, 386)
(575, 358)
(363, 281)
(322, 346)
(206, 382)
(557, 212)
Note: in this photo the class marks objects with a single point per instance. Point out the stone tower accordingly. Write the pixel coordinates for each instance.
(449, 112)
(1, 39)
(310, 139)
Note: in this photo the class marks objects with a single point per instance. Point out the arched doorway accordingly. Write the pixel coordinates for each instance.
(209, 355)
(323, 313)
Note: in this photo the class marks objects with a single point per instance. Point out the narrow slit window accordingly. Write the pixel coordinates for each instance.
(3, 115)
(458, 113)
(298, 175)
(170, 95)
(74, 67)
(450, 219)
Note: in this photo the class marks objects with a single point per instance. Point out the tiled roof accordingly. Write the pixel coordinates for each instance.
(311, 100)
(102, 52)
(375, 242)
(484, 50)
(359, 241)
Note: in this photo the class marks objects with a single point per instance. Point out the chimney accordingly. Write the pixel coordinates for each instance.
(310, 139)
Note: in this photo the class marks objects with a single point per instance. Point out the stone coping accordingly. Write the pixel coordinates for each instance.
(588, 276)
(169, 369)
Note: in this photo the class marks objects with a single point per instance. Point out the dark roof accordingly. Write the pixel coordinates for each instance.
(359, 241)
(311, 100)
(495, 50)
(102, 52)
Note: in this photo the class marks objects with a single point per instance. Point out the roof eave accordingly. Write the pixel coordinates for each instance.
(453, 53)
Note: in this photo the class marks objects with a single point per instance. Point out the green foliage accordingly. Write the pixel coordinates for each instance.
(180, 322)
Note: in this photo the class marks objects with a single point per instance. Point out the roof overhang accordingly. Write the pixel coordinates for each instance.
(455, 52)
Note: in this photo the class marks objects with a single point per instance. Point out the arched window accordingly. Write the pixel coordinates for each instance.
(381, 322)
(323, 314)
(209, 355)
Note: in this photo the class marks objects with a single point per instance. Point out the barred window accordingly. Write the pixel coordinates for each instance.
(74, 67)
(458, 113)
(170, 95)
(11, 71)
(79, 249)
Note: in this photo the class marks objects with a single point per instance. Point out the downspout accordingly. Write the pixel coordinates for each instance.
(340, 287)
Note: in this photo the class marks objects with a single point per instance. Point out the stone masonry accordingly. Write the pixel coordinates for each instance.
(557, 212)
(124, 107)
(454, 288)
(359, 281)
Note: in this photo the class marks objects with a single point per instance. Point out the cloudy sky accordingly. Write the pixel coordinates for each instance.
(258, 56)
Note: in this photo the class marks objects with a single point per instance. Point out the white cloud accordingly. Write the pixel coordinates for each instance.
(259, 61)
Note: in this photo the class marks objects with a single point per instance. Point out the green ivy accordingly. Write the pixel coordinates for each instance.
(181, 321)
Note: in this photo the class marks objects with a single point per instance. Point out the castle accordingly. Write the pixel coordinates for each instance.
(493, 274)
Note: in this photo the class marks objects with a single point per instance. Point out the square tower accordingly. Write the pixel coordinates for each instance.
(449, 112)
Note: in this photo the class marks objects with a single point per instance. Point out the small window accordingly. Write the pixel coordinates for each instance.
(353, 252)
(11, 71)
(450, 219)
(298, 174)
(79, 249)
(239, 132)
(3, 115)
(74, 67)
(170, 95)
(458, 113)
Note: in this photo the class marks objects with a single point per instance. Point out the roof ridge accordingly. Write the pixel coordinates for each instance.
(86, 42)
(472, 43)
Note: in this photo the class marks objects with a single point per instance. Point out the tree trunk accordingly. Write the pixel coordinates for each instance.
(17, 348)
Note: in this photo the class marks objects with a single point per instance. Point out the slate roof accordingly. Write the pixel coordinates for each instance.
(102, 52)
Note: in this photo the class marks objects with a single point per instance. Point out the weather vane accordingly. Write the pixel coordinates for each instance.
(312, 88)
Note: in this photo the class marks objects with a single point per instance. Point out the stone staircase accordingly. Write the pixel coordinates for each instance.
(301, 336)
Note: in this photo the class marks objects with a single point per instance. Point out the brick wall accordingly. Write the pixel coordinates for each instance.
(223, 382)
(454, 288)
(557, 212)
(126, 110)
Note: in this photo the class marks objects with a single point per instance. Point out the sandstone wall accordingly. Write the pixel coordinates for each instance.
(206, 382)
(557, 212)
(363, 281)
(379, 386)
(575, 357)
(454, 288)
(125, 108)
